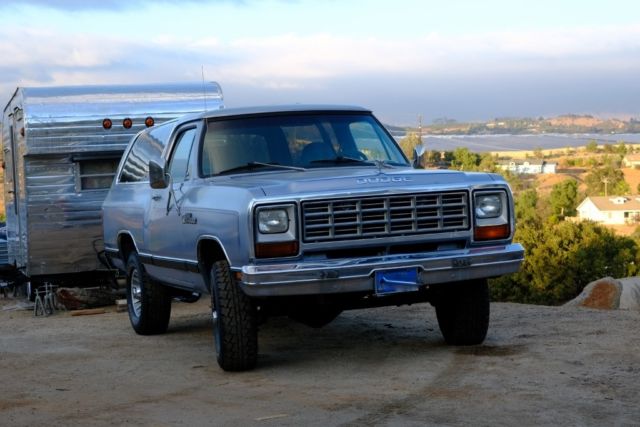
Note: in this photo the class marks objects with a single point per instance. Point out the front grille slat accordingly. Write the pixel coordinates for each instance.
(370, 217)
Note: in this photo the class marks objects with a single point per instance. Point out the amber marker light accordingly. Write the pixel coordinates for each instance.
(107, 123)
(127, 123)
(148, 122)
(276, 249)
(492, 232)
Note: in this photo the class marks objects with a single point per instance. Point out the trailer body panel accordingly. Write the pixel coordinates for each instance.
(60, 161)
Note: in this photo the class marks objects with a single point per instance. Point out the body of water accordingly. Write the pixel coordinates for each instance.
(483, 143)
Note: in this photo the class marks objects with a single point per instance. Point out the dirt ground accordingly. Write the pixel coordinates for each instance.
(377, 367)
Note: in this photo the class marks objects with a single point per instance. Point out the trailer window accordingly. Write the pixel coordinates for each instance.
(96, 174)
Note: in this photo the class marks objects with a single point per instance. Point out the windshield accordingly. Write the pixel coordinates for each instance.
(235, 145)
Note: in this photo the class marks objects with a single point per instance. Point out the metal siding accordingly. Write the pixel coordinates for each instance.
(58, 229)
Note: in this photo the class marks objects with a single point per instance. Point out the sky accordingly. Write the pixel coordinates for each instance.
(406, 60)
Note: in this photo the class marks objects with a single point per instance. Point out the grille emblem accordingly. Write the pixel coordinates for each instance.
(382, 179)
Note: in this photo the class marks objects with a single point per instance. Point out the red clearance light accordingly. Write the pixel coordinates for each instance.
(127, 123)
(277, 249)
(107, 123)
(148, 122)
(492, 232)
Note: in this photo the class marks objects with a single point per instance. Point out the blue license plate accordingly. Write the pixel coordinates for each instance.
(394, 281)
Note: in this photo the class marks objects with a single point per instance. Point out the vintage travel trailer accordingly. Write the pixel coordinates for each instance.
(61, 148)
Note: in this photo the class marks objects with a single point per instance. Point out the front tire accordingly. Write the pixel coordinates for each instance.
(235, 326)
(463, 312)
(149, 303)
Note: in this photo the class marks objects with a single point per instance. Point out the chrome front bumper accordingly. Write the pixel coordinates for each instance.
(358, 274)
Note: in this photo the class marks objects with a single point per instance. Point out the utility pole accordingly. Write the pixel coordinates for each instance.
(605, 181)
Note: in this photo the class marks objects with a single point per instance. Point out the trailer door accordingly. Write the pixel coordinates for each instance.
(12, 204)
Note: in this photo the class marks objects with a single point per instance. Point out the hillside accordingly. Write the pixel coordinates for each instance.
(570, 123)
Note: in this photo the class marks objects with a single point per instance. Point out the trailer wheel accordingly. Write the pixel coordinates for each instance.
(149, 302)
(462, 310)
(234, 316)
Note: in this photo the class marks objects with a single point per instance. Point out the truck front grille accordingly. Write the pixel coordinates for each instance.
(370, 217)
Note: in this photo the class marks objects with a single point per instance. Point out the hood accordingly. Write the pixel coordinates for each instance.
(350, 180)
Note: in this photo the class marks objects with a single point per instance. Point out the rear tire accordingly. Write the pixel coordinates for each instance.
(235, 326)
(149, 303)
(463, 312)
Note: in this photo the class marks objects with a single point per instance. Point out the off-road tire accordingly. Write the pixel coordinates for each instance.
(463, 311)
(235, 326)
(149, 303)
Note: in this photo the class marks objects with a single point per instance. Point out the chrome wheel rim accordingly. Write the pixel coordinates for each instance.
(136, 292)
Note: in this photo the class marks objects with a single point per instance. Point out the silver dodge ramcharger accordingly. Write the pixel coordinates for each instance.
(302, 211)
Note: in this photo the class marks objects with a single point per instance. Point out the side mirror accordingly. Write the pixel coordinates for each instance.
(418, 152)
(157, 177)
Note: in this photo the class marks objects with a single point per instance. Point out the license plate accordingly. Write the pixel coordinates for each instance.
(394, 281)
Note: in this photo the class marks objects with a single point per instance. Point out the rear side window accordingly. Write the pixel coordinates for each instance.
(147, 146)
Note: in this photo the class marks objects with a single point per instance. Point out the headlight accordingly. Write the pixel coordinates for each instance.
(275, 231)
(491, 210)
(488, 206)
(273, 221)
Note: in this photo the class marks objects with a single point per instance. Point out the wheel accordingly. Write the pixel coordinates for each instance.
(149, 303)
(235, 327)
(462, 310)
(315, 316)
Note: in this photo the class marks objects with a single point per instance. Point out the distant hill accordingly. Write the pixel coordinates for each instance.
(569, 123)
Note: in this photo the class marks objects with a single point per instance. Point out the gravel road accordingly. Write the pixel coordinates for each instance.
(376, 367)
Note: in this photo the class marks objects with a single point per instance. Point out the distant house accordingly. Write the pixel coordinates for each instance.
(631, 160)
(527, 166)
(610, 210)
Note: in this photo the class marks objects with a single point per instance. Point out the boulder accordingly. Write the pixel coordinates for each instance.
(610, 294)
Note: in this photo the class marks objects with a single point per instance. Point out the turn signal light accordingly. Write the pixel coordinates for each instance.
(276, 249)
(492, 232)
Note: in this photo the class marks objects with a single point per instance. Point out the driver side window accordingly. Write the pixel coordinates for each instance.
(179, 164)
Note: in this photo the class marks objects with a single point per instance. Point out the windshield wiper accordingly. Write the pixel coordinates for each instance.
(255, 165)
(342, 160)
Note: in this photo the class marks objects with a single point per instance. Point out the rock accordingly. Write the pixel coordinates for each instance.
(630, 297)
(610, 294)
(603, 293)
(83, 298)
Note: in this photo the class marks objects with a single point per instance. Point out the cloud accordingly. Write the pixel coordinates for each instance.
(509, 72)
(84, 5)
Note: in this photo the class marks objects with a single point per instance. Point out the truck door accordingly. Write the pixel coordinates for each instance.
(167, 220)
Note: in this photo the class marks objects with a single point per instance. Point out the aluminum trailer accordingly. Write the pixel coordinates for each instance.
(61, 148)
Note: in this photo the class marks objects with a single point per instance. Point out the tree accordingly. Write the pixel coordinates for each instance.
(487, 163)
(464, 160)
(409, 143)
(564, 198)
(525, 205)
(562, 258)
(606, 181)
(592, 146)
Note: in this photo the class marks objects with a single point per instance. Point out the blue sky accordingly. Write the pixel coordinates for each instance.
(466, 60)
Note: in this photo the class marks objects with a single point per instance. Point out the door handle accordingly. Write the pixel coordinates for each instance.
(156, 198)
